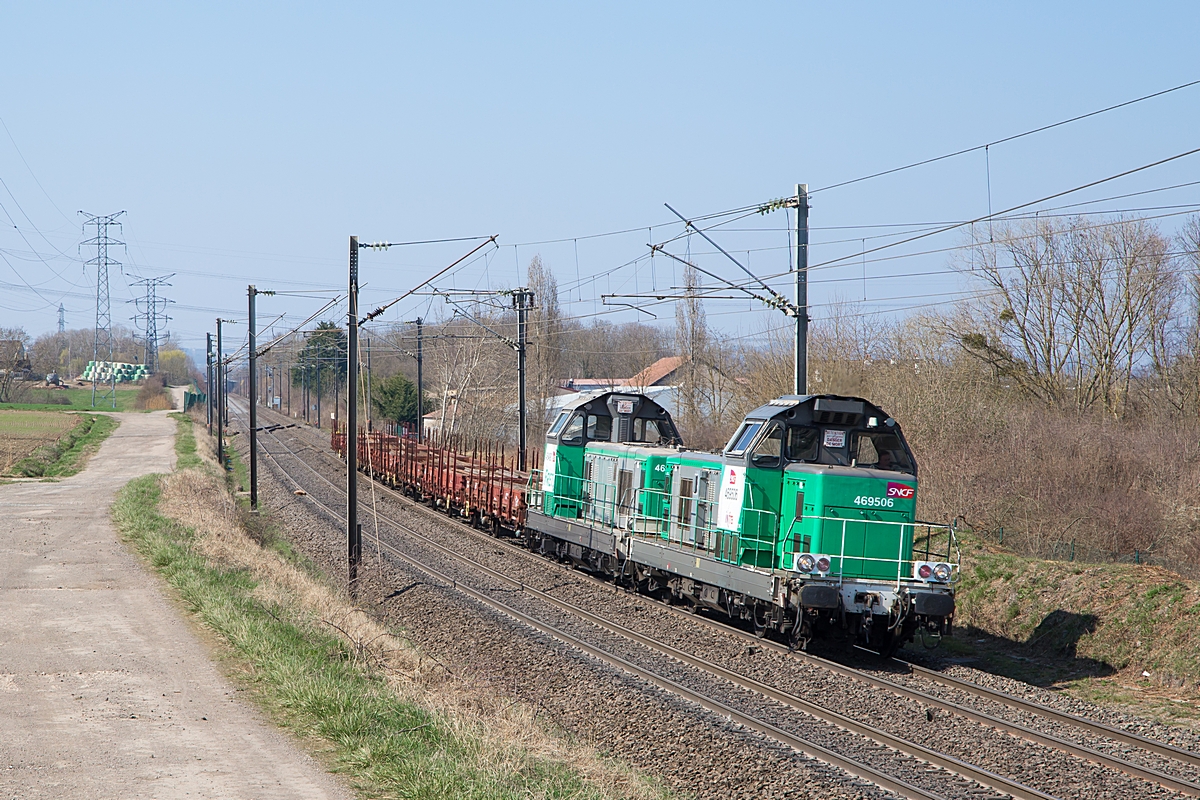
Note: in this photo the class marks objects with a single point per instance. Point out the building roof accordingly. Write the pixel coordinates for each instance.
(590, 384)
(656, 373)
(451, 406)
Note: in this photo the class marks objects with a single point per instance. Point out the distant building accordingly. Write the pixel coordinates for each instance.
(431, 423)
(660, 373)
(656, 381)
(590, 384)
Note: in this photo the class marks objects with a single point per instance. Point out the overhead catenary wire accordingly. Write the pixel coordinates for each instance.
(32, 174)
(1020, 206)
(724, 219)
(1006, 139)
(389, 304)
(267, 347)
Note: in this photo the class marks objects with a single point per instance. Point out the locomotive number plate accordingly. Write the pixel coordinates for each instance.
(876, 502)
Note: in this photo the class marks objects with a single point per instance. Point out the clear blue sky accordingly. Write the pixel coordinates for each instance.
(246, 142)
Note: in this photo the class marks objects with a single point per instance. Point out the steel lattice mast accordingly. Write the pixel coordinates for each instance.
(154, 311)
(103, 344)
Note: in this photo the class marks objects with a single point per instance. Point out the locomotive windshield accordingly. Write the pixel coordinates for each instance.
(802, 443)
(574, 432)
(614, 418)
(872, 449)
(741, 440)
(558, 423)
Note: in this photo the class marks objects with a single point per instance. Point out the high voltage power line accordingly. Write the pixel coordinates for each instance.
(103, 342)
(723, 219)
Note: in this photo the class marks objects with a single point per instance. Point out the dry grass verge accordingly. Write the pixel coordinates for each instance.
(498, 746)
(153, 396)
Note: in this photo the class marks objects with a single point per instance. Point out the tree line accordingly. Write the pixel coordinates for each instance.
(1058, 401)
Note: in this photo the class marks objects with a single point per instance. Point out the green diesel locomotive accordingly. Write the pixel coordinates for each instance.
(805, 523)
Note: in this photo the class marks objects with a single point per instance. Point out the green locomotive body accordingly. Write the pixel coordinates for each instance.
(806, 520)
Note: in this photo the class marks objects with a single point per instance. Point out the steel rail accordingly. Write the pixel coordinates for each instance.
(1084, 752)
(1066, 718)
(810, 749)
(1013, 728)
(944, 761)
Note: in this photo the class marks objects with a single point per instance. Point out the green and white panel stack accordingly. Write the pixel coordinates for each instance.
(105, 371)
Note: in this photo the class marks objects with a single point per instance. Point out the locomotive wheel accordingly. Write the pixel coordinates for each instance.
(760, 627)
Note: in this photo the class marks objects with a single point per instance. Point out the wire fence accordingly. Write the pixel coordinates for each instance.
(1071, 550)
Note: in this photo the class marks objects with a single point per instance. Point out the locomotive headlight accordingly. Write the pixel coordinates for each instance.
(924, 571)
(942, 572)
(805, 563)
(823, 564)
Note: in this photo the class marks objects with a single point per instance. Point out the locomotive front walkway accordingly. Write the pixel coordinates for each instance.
(105, 690)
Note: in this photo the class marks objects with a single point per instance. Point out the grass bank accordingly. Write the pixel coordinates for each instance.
(69, 453)
(1117, 634)
(75, 399)
(395, 724)
(186, 456)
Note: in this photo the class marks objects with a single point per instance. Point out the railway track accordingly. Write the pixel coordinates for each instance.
(998, 783)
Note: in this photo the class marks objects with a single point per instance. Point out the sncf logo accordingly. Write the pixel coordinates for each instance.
(901, 490)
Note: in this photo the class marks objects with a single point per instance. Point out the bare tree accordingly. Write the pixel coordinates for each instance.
(691, 342)
(13, 359)
(545, 345)
(1072, 307)
(1176, 339)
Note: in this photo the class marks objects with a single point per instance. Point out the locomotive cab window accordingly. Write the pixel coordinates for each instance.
(574, 431)
(558, 423)
(599, 428)
(881, 451)
(647, 430)
(802, 443)
(766, 453)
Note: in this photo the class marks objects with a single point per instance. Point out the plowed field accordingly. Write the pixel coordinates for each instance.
(22, 432)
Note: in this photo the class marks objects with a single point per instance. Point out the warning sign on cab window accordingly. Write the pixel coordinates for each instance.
(835, 438)
(624, 406)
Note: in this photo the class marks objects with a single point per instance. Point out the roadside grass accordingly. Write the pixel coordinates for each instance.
(69, 454)
(186, 456)
(238, 475)
(394, 723)
(79, 399)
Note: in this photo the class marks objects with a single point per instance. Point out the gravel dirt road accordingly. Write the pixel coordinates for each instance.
(105, 690)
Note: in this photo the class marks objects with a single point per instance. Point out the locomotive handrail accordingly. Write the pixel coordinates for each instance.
(724, 544)
(955, 563)
(656, 513)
